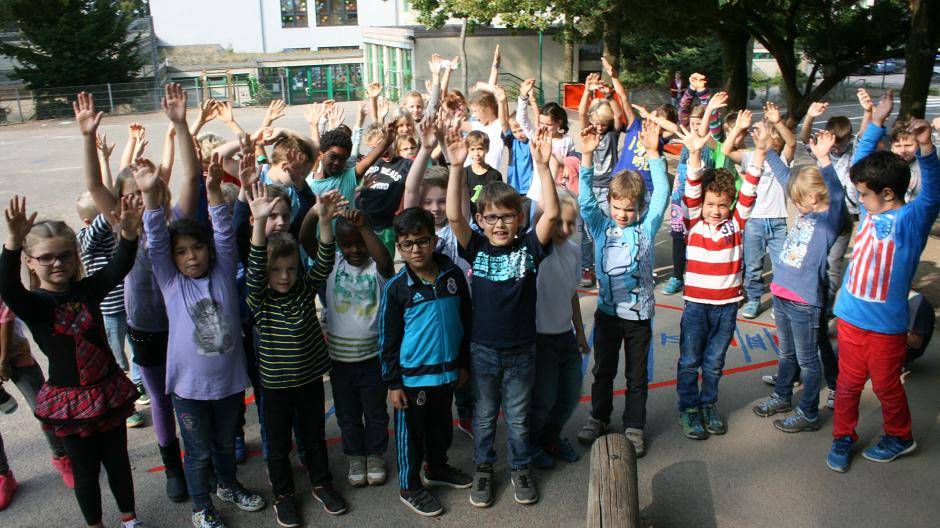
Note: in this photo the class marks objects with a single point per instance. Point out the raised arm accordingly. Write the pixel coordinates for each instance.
(413, 182)
(174, 106)
(207, 112)
(104, 159)
(88, 120)
(135, 133)
(821, 147)
(383, 261)
(590, 84)
(494, 69)
(373, 156)
(169, 152)
(620, 91)
(541, 147)
(503, 107)
(594, 217)
(772, 115)
(711, 121)
(457, 155)
(806, 129)
(660, 198)
(373, 91)
(926, 205)
(14, 294)
(868, 143)
(661, 122)
(867, 108)
(275, 112)
(742, 123)
(522, 106)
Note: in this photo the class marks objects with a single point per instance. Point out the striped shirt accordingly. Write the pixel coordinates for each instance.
(289, 342)
(715, 254)
(98, 243)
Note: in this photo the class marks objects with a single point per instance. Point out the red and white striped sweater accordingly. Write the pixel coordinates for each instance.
(715, 254)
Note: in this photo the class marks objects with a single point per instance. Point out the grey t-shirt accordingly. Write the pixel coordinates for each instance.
(605, 158)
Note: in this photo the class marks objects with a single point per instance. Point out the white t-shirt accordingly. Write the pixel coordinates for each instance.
(771, 200)
(447, 244)
(494, 131)
(557, 282)
(353, 296)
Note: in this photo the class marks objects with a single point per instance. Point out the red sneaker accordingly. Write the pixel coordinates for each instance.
(466, 427)
(587, 278)
(8, 487)
(64, 465)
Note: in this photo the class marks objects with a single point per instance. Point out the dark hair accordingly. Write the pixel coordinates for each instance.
(557, 114)
(281, 245)
(344, 128)
(195, 229)
(413, 221)
(718, 181)
(335, 138)
(499, 194)
(882, 170)
(900, 129)
(840, 126)
(344, 225)
(669, 112)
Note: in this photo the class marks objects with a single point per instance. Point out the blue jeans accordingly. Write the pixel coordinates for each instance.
(798, 331)
(704, 335)
(208, 431)
(762, 236)
(115, 327)
(501, 379)
(557, 388)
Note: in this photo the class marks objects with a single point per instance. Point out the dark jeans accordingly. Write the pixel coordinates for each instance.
(359, 394)
(208, 431)
(610, 332)
(280, 408)
(704, 335)
(29, 380)
(502, 379)
(423, 432)
(678, 257)
(251, 362)
(463, 400)
(88, 454)
(798, 330)
(557, 387)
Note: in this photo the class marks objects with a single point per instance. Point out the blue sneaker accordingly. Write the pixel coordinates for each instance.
(673, 287)
(240, 454)
(541, 460)
(838, 459)
(889, 448)
(562, 450)
(751, 310)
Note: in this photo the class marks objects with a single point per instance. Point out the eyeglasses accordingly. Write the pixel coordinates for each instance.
(420, 243)
(507, 219)
(49, 259)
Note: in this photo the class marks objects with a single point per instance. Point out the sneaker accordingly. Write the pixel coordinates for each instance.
(751, 310)
(445, 476)
(831, 399)
(691, 422)
(241, 454)
(208, 518)
(635, 436)
(357, 471)
(542, 460)
(421, 502)
(285, 512)
(772, 405)
(838, 459)
(481, 494)
(133, 523)
(797, 422)
(64, 466)
(562, 450)
(8, 403)
(712, 421)
(592, 429)
(333, 502)
(239, 496)
(523, 486)
(465, 426)
(143, 398)
(375, 470)
(134, 420)
(8, 487)
(673, 287)
(587, 278)
(771, 379)
(889, 448)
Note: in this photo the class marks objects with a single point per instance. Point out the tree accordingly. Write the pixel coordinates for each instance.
(72, 42)
(921, 47)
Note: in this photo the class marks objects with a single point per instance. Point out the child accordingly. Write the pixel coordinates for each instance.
(354, 290)
(519, 170)
(485, 112)
(383, 187)
(800, 285)
(624, 267)
(478, 173)
(339, 170)
(413, 103)
(87, 397)
(292, 155)
(559, 342)
(714, 250)
(205, 365)
(424, 336)
(767, 227)
(504, 293)
(292, 355)
(872, 305)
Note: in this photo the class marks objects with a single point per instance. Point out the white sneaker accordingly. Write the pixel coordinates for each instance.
(375, 470)
(357, 471)
(635, 436)
(133, 523)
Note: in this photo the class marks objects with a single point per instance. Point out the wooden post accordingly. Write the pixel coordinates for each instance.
(613, 499)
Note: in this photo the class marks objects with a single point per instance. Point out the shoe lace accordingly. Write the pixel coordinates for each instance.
(524, 480)
(482, 483)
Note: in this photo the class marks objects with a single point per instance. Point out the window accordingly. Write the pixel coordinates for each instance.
(293, 13)
(337, 12)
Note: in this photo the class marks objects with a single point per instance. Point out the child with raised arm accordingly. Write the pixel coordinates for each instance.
(872, 305)
(624, 266)
(478, 173)
(423, 340)
(714, 254)
(87, 397)
(205, 366)
(800, 286)
(383, 187)
(504, 265)
(515, 138)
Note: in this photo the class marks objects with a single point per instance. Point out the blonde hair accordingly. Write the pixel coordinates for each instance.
(207, 144)
(373, 133)
(566, 197)
(629, 185)
(85, 205)
(808, 181)
(44, 230)
(602, 111)
(435, 176)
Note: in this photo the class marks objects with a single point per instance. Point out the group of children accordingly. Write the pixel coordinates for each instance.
(221, 290)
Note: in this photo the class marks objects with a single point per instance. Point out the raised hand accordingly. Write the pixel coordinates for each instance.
(771, 113)
(499, 92)
(174, 103)
(609, 68)
(822, 144)
(129, 216)
(604, 88)
(374, 90)
(260, 203)
(18, 224)
(140, 148)
(224, 111)
(592, 82)
(336, 116)
(817, 109)
(865, 100)
(920, 129)
(427, 131)
(649, 136)
(691, 139)
(214, 173)
(355, 217)
(881, 112)
(328, 203)
(456, 145)
(103, 146)
(275, 112)
(145, 174)
(525, 88)
(590, 138)
(761, 136)
(435, 64)
(295, 160)
(697, 82)
(542, 146)
(644, 113)
(384, 106)
(208, 110)
(263, 136)
(743, 122)
(717, 101)
(85, 115)
(247, 171)
(313, 113)
(136, 131)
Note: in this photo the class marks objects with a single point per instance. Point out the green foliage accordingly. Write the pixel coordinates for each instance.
(73, 42)
(652, 59)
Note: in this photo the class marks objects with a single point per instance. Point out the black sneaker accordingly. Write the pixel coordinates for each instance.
(445, 476)
(421, 502)
(285, 512)
(332, 501)
(523, 486)
(481, 495)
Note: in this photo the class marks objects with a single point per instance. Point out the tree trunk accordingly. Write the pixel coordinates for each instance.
(612, 38)
(463, 57)
(569, 61)
(921, 47)
(734, 71)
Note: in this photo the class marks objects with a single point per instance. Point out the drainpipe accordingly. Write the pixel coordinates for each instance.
(264, 44)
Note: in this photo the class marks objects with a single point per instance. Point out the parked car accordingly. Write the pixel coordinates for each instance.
(885, 67)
